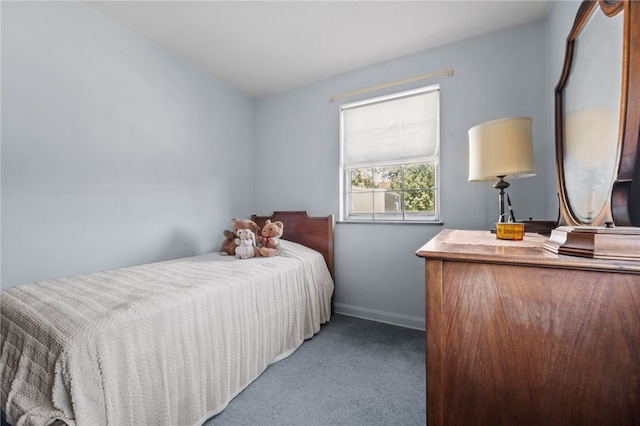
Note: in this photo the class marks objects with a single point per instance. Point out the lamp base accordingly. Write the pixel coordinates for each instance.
(501, 185)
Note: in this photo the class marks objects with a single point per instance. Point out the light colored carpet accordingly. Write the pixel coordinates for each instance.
(354, 372)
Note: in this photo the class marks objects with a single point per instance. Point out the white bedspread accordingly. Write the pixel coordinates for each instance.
(168, 343)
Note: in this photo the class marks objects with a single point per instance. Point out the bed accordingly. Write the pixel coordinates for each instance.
(167, 343)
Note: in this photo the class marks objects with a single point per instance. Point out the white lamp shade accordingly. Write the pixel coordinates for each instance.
(501, 147)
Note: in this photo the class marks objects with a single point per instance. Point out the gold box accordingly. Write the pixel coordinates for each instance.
(510, 231)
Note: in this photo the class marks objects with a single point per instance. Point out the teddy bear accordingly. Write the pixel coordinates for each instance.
(270, 238)
(228, 247)
(245, 244)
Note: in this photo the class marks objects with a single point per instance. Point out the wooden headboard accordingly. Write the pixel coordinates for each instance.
(313, 232)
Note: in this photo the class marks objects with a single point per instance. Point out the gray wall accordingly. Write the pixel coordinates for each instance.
(296, 133)
(114, 151)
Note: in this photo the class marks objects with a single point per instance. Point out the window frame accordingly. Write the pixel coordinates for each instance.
(345, 201)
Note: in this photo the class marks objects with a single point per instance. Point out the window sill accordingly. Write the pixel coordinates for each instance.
(393, 222)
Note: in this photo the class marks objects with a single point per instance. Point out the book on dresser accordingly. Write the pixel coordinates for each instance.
(621, 243)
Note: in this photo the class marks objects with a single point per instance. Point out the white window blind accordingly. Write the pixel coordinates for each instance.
(391, 131)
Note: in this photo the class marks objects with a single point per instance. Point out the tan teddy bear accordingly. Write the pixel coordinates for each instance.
(270, 238)
(228, 247)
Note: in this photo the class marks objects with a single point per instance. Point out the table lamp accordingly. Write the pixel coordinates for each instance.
(501, 148)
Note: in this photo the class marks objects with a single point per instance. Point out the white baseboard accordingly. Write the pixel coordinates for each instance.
(417, 323)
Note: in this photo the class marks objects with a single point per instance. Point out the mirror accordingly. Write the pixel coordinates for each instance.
(596, 143)
(591, 114)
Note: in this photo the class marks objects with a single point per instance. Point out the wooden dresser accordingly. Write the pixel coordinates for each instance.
(517, 335)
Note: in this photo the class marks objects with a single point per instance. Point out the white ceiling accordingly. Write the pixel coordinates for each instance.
(264, 47)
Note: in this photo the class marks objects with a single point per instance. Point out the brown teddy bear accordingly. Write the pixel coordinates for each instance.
(228, 247)
(270, 238)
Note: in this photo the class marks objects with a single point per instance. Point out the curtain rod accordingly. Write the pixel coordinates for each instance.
(448, 72)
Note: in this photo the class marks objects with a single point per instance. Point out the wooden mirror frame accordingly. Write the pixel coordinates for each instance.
(623, 205)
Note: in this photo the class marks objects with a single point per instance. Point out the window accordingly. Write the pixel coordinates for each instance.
(389, 157)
